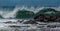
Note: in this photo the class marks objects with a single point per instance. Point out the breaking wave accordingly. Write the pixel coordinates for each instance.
(10, 11)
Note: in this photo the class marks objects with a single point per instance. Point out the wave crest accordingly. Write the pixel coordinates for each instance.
(11, 13)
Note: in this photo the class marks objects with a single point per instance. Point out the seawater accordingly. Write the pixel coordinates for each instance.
(10, 11)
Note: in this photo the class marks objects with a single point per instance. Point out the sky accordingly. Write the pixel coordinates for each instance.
(30, 2)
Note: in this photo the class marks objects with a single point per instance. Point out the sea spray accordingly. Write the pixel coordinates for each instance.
(11, 12)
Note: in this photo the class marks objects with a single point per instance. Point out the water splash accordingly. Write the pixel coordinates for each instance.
(11, 13)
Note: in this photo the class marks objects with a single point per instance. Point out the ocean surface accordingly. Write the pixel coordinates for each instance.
(8, 13)
(9, 8)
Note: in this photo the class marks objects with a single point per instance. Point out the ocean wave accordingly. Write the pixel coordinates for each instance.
(11, 12)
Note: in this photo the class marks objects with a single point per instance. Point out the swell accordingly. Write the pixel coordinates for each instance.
(11, 12)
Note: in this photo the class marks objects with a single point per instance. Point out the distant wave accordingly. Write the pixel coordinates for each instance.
(11, 12)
